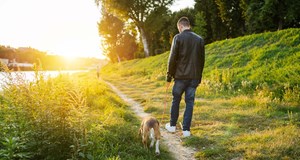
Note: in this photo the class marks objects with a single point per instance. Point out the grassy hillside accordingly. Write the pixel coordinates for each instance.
(262, 61)
(271, 58)
(247, 105)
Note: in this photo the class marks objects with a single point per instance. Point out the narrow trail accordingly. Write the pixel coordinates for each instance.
(172, 141)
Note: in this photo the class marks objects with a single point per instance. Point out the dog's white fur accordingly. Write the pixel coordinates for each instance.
(150, 129)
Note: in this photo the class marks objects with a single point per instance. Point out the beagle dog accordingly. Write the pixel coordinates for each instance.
(150, 127)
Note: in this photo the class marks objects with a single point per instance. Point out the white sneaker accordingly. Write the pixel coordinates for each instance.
(170, 128)
(186, 133)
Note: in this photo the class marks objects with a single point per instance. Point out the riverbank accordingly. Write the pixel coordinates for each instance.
(30, 76)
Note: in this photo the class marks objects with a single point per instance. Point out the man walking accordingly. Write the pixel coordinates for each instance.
(185, 65)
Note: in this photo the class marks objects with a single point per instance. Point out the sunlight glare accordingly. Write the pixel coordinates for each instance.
(67, 27)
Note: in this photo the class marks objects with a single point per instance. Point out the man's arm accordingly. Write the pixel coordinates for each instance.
(172, 60)
(202, 57)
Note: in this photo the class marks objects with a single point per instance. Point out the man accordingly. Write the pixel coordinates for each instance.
(98, 72)
(185, 65)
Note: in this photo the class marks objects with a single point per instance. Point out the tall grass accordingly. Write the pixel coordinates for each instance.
(67, 117)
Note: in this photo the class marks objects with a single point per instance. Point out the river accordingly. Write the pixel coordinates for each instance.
(29, 76)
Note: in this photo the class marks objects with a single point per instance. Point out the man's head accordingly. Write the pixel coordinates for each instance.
(183, 24)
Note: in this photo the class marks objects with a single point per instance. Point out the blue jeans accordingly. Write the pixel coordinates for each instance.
(189, 88)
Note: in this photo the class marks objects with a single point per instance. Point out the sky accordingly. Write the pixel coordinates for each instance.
(61, 27)
(180, 4)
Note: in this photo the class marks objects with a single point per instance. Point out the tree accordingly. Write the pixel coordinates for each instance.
(272, 15)
(200, 24)
(136, 11)
(118, 43)
(215, 28)
(155, 25)
(127, 46)
(110, 28)
(291, 17)
(231, 13)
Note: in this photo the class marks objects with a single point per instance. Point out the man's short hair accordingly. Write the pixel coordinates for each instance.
(184, 21)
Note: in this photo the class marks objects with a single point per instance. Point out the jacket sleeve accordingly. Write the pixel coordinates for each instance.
(202, 57)
(172, 59)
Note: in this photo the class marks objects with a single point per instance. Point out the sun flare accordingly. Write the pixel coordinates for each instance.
(68, 28)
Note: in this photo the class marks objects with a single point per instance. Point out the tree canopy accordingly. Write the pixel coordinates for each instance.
(118, 42)
(137, 11)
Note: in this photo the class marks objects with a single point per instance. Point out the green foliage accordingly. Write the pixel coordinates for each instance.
(14, 149)
(231, 14)
(157, 31)
(216, 29)
(138, 12)
(200, 25)
(68, 117)
(271, 15)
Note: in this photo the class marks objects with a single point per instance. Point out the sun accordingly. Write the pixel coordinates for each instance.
(69, 31)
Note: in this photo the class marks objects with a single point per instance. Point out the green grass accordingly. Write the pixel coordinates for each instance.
(247, 105)
(271, 58)
(68, 117)
(247, 63)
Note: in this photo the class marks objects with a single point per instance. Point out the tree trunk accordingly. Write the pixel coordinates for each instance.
(119, 59)
(144, 41)
(280, 24)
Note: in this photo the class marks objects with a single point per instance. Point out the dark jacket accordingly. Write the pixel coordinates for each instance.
(187, 56)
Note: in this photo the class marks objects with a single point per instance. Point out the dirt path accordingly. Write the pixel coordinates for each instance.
(172, 141)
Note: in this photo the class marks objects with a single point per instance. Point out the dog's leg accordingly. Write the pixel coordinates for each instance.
(157, 137)
(145, 136)
(157, 147)
(143, 133)
(144, 140)
(152, 137)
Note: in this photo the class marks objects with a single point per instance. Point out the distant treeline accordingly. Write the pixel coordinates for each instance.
(214, 20)
(45, 61)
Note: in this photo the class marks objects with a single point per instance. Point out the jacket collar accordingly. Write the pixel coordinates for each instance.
(187, 30)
